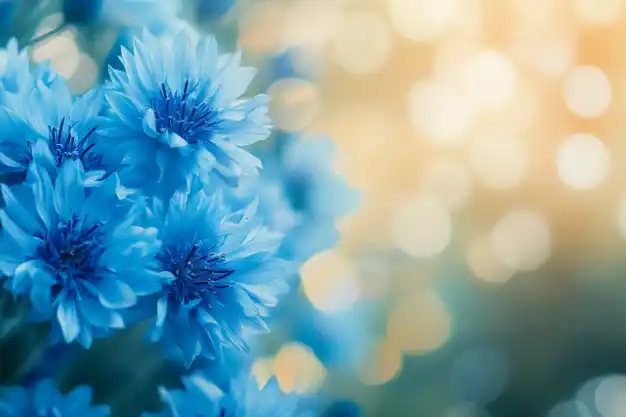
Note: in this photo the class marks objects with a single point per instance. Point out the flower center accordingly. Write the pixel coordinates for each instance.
(181, 114)
(199, 273)
(73, 250)
(65, 145)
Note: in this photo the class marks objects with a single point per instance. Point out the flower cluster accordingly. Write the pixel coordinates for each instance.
(141, 202)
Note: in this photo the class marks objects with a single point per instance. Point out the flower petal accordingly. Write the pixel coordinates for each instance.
(116, 294)
(68, 320)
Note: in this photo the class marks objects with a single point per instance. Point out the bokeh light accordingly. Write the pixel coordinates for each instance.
(598, 12)
(587, 91)
(439, 112)
(499, 162)
(521, 239)
(610, 396)
(311, 22)
(294, 103)
(330, 282)
(383, 364)
(484, 263)
(298, 369)
(422, 21)
(489, 79)
(448, 181)
(364, 44)
(582, 161)
(422, 227)
(419, 323)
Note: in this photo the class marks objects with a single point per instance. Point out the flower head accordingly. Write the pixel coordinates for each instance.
(43, 400)
(16, 75)
(219, 274)
(73, 248)
(50, 125)
(176, 112)
(243, 398)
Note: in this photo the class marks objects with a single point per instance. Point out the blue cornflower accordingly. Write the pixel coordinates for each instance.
(244, 398)
(219, 273)
(44, 400)
(50, 125)
(73, 248)
(176, 110)
(301, 195)
(16, 75)
(118, 12)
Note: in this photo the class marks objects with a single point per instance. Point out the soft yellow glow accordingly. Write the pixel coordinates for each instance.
(311, 22)
(621, 216)
(448, 181)
(419, 324)
(521, 239)
(364, 44)
(598, 12)
(499, 162)
(582, 161)
(294, 103)
(261, 25)
(439, 112)
(86, 76)
(383, 364)
(483, 262)
(298, 369)
(423, 20)
(587, 91)
(550, 53)
(489, 79)
(62, 53)
(422, 227)
(330, 281)
(263, 370)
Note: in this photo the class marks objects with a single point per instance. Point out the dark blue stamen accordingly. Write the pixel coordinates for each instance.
(73, 250)
(65, 145)
(199, 273)
(189, 117)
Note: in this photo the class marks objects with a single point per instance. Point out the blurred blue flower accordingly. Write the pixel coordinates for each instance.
(213, 9)
(301, 195)
(244, 398)
(15, 72)
(339, 339)
(44, 400)
(176, 111)
(50, 125)
(287, 65)
(73, 247)
(119, 12)
(7, 10)
(219, 272)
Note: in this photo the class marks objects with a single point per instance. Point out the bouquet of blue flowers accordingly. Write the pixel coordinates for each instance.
(140, 232)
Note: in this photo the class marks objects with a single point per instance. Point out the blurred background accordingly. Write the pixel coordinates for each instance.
(483, 273)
